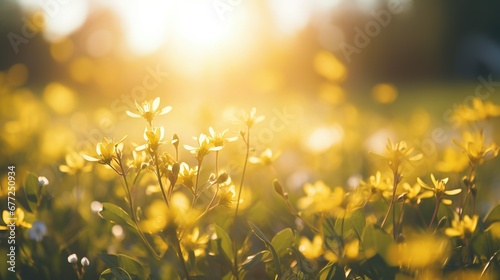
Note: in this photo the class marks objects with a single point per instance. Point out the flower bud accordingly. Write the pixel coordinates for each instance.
(42, 181)
(73, 258)
(85, 261)
(222, 178)
(278, 188)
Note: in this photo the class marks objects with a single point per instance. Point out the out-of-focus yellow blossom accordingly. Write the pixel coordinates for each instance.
(156, 217)
(227, 195)
(107, 150)
(75, 164)
(399, 154)
(204, 147)
(320, 198)
(378, 185)
(453, 161)
(19, 216)
(217, 139)
(414, 195)
(139, 160)
(478, 111)
(311, 250)
(265, 158)
(154, 137)
(187, 176)
(385, 93)
(195, 242)
(439, 189)
(149, 110)
(476, 149)
(462, 228)
(249, 119)
(418, 252)
(328, 66)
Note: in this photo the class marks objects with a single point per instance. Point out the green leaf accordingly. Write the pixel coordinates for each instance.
(493, 216)
(352, 224)
(376, 241)
(124, 267)
(259, 233)
(116, 214)
(32, 191)
(332, 271)
(282, 241)
(269, 246)
(253, 260)
(226, 244)
(115, 273)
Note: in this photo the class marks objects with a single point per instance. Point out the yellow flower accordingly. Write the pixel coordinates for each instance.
(462, 228)
(320, 198)
(106, 151)
(187, 176)
(414, 195)
(265, 158)
(75, 164)
(478, 111)
(149, 110)
(154, 137)
(217, 139)
(139, 160)
(453, 161)
(204, 147)
(227, 195)
(194, 242)
(19, 216)
(439, 189)
(476, 149)
(311, 250)
(378, 185)
(250, 119)
(399, 154)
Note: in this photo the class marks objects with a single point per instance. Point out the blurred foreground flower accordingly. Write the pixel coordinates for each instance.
(320, 198)
(18, 219)
(149, 110)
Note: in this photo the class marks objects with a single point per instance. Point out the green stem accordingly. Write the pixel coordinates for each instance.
(235, 247)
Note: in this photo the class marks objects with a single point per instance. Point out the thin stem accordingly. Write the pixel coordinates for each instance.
(195, 197)
(235, 247)
(435, 213)
(132, 212)
(394, 226)
(178, 249)
(158, 175)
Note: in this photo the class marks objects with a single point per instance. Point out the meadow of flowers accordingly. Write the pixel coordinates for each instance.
(221, 205)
